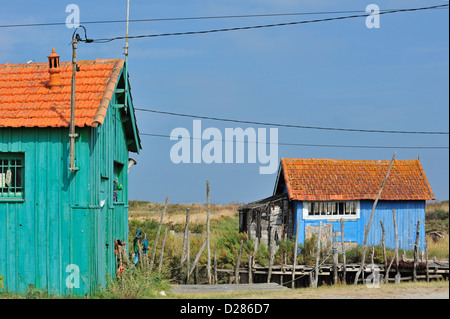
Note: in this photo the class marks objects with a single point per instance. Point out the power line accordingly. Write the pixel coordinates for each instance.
(289, 125)
(105, 40)
(307, 145)
(194, 18)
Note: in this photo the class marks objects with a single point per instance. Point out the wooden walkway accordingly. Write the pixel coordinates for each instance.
(283, 274)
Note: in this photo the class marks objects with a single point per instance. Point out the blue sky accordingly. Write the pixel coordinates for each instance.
(334, 74)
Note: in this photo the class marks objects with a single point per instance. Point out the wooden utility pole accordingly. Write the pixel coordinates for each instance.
(316, 278)
(366, 234)
(72, 134)
(208, 248)
(157, 234)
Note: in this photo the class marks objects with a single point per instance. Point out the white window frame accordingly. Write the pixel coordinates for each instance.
(331, 217)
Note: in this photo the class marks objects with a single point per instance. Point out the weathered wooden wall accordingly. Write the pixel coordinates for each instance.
(61, 220)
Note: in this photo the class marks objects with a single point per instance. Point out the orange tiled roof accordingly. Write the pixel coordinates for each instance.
(328, 179)
(27, 101)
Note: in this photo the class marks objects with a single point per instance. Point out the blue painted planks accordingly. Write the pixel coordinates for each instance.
(408, 214)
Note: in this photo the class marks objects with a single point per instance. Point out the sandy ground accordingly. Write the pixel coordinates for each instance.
(420, 290)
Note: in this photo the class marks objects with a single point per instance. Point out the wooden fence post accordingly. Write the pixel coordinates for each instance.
(383, 244)
(316, 278)
(250, 269)
(186, 229)
(215, 267)
(344, 259)
(238, 264)
(416, 252)
(396, 242)
(295, 256)
(335, 261)
(188, 256)
(426, 261)
(162, 252)
(157, 233)
(208, 248)
(271, 256)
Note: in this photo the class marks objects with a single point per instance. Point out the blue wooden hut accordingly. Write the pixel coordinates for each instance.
(58, 227)
(310, 191)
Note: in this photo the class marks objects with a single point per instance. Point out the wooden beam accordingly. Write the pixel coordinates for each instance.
(366, 234)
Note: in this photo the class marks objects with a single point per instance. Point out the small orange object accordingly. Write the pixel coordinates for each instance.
(54, 70)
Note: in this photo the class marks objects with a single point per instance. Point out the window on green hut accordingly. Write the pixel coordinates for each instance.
(11, 175)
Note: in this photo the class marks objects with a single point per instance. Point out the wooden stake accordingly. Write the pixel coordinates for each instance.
(162, 252)
(344, 259)
(383, 244)
(208, 248)
(238, 263)
(186, 230)
(215, 267)
(416, 252)
(295, 256)
(366, 234)
(426, 261)
(250, 270)
(271, 256)
(157, 233)
(396, 242)
(316, 279)
(188, 256)
(198, 257)
(335, 261)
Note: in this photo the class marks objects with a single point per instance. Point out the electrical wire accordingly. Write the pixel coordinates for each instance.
(173, 137)
(290, 125)
(106, 40)
(194, 18)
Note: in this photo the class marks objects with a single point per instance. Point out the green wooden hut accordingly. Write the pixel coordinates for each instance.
(58, 226)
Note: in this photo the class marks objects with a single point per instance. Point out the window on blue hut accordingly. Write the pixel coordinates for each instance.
(118, 192)
(11, 176)
(330, 210)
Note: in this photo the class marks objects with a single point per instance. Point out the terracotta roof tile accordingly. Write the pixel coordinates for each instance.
(27, 101)
(327, 179)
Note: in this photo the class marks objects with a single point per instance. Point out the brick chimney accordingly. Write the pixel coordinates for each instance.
(54, 70)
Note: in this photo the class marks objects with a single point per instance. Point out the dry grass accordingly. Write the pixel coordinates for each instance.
(176, 213)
